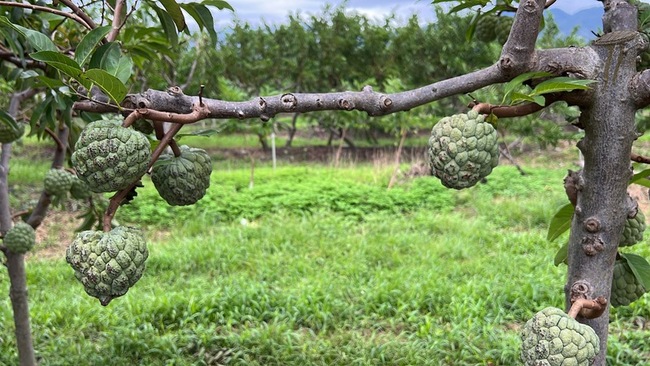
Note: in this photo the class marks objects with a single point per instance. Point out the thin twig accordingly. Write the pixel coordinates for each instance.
(639, 158)
(56, 139)
(89, 23)
(117, 21)
(45, 9)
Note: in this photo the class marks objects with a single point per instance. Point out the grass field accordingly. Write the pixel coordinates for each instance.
(322, 266)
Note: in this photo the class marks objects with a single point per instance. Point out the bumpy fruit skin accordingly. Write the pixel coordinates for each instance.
(182, 180)
(552, 338)
(109, 157)
(493, 28)
(463, 150)
(79, 189)
(58, 182)
(20, 238)
(625, 287)
(633, 231)
(143, 126)
(108, 264)
(9, 134)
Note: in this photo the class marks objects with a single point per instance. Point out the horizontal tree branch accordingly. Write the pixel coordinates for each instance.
(74, 17)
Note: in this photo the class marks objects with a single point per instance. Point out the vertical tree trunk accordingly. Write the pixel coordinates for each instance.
(16, 262)
(602, 204)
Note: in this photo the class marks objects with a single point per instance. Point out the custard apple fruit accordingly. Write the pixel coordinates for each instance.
(552, 338)
(463, 150)
(109, 157)
(633, 231)
(9, 134)
(108, 263)
(182, 180)
(58, 182)
(143, 126)
(20, 238)
(493, 28)
(79, 189)
(625, 287)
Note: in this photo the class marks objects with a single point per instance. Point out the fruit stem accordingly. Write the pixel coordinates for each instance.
(589, 309)
(118, 197)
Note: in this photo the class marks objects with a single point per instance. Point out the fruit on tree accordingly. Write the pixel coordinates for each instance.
(553, 338)
(108, 263)
(9, 134)
(182, 180)
(463, 150)
(491, 28)
(625, 287)
(143, 126)
(109, 157)
(20, 238)
(633, 230)
(58, 182)
(79, 189)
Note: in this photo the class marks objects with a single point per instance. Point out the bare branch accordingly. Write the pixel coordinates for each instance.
(639, 158)
(118, 21)
(80, 13)
(45, 9)
(640, 89)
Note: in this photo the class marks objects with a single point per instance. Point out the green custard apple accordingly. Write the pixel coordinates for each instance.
(463, 150)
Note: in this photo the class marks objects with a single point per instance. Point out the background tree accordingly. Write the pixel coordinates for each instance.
(95, 76)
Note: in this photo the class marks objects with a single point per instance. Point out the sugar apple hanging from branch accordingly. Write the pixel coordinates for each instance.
(108, 263)
(109, 157)
(463, 150)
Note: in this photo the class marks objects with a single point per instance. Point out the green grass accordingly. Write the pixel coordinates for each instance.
(364, 278)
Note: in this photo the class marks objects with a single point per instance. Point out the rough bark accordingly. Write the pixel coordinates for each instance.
(602, 205)
(16, 262)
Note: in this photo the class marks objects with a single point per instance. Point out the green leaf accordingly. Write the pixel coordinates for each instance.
(561, 84)
(175, 13)
(8, 120)
(104, 51)
(562, 255)
(38, 40)
(640, 267)
(206, 133)
(89, 42)
(640, 176)
(108, 83)
(59, 61)
(124, 68)
(561, 222)
(219, 4)
(519, 80)
(49, 82)
(168, 26)
(517, 97)
(208, 21)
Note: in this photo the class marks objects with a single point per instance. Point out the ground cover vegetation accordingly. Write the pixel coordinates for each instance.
(68, 69)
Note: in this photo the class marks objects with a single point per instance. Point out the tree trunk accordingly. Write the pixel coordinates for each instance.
(602, 203)
(16, 262)
(292, 130)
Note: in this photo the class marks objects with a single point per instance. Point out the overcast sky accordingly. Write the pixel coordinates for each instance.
(272, 12)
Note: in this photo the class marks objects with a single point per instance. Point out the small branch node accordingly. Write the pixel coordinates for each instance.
(201, 95)
(367, 89)
(592, 245)
(262, 104)
(289, 101)
(386, 102)
(580, 290)
(346, 104)
(592, 225)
